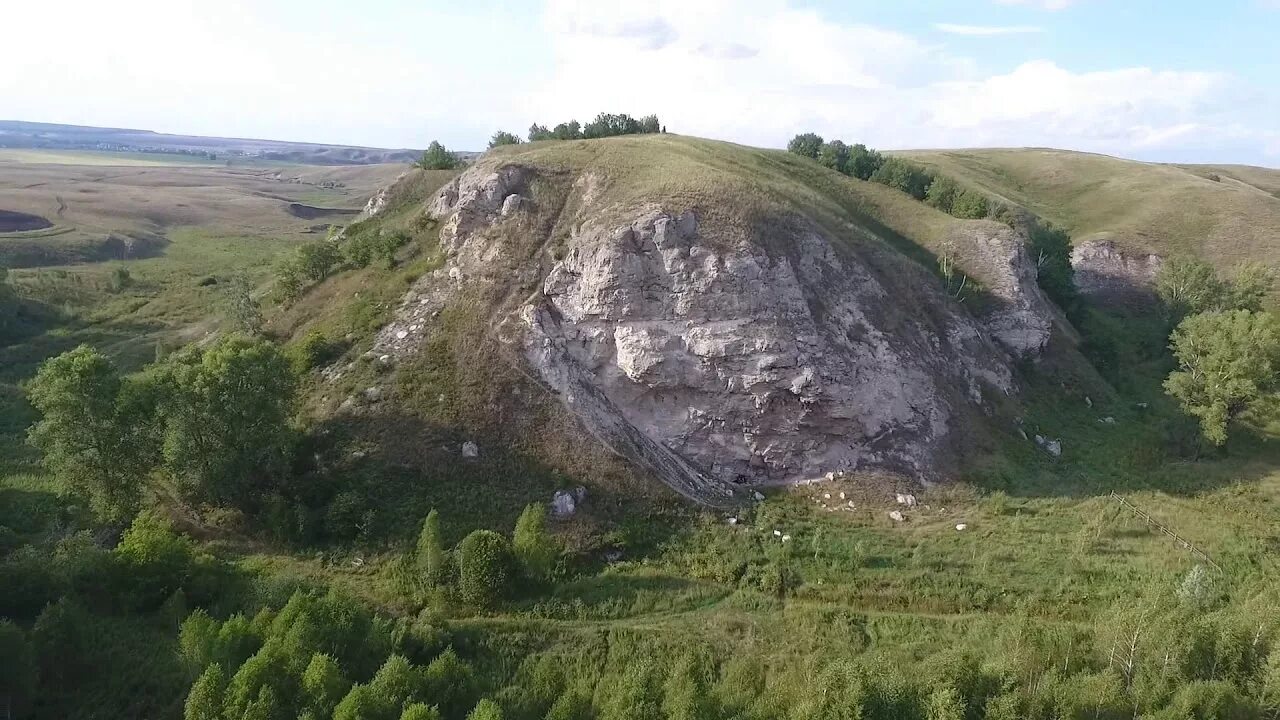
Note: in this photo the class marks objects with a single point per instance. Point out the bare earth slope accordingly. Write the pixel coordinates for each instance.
(729, 317)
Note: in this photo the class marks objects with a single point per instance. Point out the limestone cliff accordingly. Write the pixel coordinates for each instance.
(724, 347)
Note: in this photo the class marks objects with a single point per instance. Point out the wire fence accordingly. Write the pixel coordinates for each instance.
(1185, 543)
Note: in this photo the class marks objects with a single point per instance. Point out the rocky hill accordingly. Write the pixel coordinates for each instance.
(1125, 216)
(728, 318)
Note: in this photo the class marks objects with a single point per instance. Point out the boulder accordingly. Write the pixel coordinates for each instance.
(563, 504)
(470, 450)
(896, 516)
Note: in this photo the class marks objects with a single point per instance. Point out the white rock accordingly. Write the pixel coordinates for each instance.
(732, 521)
(1108, 420)
(841, 496)
(470, 450)
(373, 394)
(906, 499)
(777, 533)
(455, 273)
(896, 516)
(563, 505)
(758, 497)
(786, 538)
(962, 526)
(1088, 401)
(826, 496)
(402, 335)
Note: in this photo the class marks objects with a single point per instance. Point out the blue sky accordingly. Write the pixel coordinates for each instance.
(1169, 81)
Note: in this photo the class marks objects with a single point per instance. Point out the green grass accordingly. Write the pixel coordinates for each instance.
(1167, 209)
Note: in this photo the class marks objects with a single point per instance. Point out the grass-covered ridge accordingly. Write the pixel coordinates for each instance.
(1226, 215)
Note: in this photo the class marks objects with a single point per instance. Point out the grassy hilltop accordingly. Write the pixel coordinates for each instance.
(1225, 214)
(1021, 590)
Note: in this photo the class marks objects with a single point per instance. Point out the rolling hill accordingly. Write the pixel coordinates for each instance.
(1224, 214)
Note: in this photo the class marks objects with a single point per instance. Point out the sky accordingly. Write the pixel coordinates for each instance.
(1167, 80)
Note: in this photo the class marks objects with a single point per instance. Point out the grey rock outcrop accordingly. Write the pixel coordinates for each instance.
(727, 355)
(1106, 273)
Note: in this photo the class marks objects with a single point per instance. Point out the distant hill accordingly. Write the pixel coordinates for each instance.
(1225, 214)
(18, 134)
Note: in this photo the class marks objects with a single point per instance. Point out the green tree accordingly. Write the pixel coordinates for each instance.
(502, 137)
(864, 162)
(484, 566)
(1229, 364)
(806, 144)
(1051, 251)
(398, 682)
(942, 193)
(361, 704)
(436, 157)
(264, 707)
(324, 685)
(236, 642)
(227, 418)
(1188, 286)
(419, 711)
(204, 702)
(1250, 286)
(242, 309)
(267, 668)
(488, 710)
(450, 682)
(198, 639)
(430, 556)
(835, 155)
(156, 560)
(649, 124)
(539, 132)
(17, 670)
(571, 130)
(534, 547)
(905, 176)
(93, 431)
(316, 260)
(969, 204)
(62, 638)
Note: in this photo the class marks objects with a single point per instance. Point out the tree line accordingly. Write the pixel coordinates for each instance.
(861, 162)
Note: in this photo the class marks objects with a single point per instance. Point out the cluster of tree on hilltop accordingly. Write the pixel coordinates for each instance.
(864, 163)
(437, 157)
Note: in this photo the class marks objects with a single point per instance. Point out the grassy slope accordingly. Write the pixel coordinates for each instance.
(1162, 208)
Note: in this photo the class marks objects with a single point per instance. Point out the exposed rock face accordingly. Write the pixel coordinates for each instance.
(1106, 273)
(1020, 318)
(767, 356)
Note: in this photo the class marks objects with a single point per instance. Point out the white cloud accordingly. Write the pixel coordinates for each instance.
(986, 29)
(799, 71)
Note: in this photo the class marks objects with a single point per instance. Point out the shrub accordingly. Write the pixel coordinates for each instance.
(502, 137)
(156, 560)
(120, 279)
(312, 351)
(419, 711)
(430, 554)
(316, 260)
(450, 683)
(484, 567)
(398, 682)
(1051, 251)
(534, 547)
(436, 157)
(204, 702)
(970, 205)
(942, 194)
(489, 710)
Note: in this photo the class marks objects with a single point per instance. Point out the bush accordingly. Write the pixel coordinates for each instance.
(156, 561)
(835, 155)
(484, 567)
(970, 205)
(436, 157)
(489, 710)
(502, 137)
(120, 279)
(430, 555)
(204, 702)
(312, 351)
(1051, 251)
(363, 248)
(316, 260)
(863, 162)
(534, 547)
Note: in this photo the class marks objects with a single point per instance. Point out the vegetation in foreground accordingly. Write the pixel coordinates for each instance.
(253, 582)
